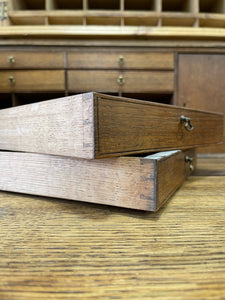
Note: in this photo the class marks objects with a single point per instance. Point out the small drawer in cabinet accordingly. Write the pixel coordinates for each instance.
(30, 60)
(28, 81)
(126, 60)
(128, 81)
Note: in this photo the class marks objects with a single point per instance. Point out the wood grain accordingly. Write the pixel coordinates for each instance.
(55, 249)
(63, 126)
(93, 125)
(132, 182)
(127, 125)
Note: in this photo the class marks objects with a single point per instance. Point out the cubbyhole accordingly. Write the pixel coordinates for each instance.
(5, 100)
(212, 6)
(66, 4)
(159, 98)
(177, 5)
(149, 5)
(140, 21)
(65, 20)
(104, 4)
(28, 4)
(105, 21)
(180, 22)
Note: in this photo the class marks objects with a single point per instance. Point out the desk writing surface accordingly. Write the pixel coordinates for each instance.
(58, 249)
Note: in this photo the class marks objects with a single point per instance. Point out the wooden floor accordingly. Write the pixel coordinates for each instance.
(57, 249)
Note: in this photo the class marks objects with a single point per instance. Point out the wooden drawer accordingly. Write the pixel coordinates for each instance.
(126, 60)
(28, 81)
(37, 60)
(94, 125)
(133, 182)
(128, 81)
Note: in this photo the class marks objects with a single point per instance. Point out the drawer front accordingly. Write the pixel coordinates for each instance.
(130, 126)
(172, 168)
(114, 81)
(126, 60)
(37, 60)
(28, 81)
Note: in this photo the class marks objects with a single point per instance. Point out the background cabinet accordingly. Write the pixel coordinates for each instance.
(201, 85)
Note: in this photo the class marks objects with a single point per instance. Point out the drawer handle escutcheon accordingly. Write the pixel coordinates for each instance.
(190, 160)
(187, 123)
(11, 80)
(121, 80)
(11, 59)
(121, 60)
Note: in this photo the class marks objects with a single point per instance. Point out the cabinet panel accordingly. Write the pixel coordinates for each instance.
(38, 60)
(201, 85)
(28, 81)
(128, 81)
(126, 60)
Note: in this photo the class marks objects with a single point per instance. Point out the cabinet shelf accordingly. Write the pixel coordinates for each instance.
(180, 13)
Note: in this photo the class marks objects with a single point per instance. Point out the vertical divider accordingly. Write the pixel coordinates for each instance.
(122, 12)
(158, 5)
(85, 8)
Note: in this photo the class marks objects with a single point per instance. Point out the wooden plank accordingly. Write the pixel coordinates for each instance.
(122, 59)
(94, 125)
(31, 59)
(27, 81)
(131, 81)
(130, 182)
(113, 31)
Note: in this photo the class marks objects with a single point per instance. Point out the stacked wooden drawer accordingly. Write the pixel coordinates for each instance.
(67, 136)
(26, 71)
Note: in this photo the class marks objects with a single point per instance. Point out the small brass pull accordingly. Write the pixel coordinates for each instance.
(121, 60)
(11, 80)
(187, 123)
(121, 80)
(11, 59)
(190, 160)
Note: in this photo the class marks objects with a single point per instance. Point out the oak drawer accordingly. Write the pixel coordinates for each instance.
(26, 81)
(128, 81)
(94, 125)
(29, 60)
(143, 183)
(126, 60)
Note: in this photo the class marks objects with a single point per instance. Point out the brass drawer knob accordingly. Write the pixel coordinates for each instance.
(187, 123)
(121, 60)
(120, 80)
(11, 59)
(190, 160)
(11, 80)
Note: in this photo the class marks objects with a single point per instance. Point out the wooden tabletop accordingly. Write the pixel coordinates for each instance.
(57, 249)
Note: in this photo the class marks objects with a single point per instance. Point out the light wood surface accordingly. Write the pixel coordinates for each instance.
(94, 125)
(55, 249)
(64, 31)
(143, 183)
